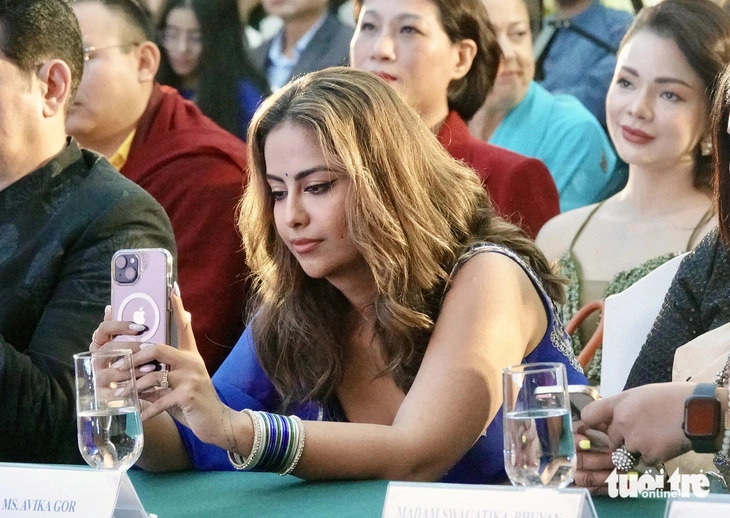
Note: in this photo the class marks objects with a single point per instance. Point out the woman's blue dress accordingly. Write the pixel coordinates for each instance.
(241, 383)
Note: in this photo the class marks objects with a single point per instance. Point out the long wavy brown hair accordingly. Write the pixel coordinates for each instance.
(721, 154)
(411, 211)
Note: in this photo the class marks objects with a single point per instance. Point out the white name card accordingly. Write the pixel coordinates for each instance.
(712, 506)
(45, 491)
(434, 500)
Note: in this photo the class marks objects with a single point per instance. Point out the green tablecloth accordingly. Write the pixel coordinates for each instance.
(228, 494)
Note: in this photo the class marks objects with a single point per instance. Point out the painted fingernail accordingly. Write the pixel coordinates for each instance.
(137, 327)
(584, 444)
(147, 368)
(119, 391)
(176, 288)
(145, 345)
(107, 309)
(117, 364)
(632, 475)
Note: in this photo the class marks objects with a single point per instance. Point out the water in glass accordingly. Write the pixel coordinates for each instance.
(538, 434)
(110, 432)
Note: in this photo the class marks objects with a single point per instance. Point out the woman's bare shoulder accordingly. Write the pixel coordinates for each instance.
(555, 236)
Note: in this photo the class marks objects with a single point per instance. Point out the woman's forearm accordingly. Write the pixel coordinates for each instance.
(163, 449)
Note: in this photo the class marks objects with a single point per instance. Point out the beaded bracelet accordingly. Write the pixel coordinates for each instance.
(722, 457)
(277, 444)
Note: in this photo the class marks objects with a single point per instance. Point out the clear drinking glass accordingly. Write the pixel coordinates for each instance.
(107, 407)
(538, 432)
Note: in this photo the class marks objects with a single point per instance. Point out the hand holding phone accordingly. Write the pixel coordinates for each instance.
(580, 396)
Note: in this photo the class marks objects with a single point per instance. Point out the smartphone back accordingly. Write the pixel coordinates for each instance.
(141, 284)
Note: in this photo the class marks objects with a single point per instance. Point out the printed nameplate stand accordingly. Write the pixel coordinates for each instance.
(435, 500)
(44, 490)
(711, 506)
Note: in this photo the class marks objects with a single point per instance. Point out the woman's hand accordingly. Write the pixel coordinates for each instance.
(646, 420)
(594, 463)
(103, 338)
(190, 397)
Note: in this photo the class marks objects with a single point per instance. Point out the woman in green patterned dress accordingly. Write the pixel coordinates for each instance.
(658, 118)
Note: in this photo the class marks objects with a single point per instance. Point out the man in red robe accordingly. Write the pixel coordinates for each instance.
(165, 144)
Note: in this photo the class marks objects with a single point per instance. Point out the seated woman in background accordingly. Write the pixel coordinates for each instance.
(522, 116)
(697, 299)
(658, 116)
(388, 300)
(694, 310)
(442, 56)
(204, 58)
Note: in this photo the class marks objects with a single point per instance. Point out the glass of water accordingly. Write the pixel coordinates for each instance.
(538, 432)
(107, 409)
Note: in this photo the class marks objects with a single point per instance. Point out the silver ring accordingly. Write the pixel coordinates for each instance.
(164, 384)
(624, 460)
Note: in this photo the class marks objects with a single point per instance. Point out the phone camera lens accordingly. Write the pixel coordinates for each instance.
(125, 268)
(130, 274)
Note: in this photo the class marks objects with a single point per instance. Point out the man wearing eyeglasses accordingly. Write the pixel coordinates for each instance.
(166, 145)
(63, 214)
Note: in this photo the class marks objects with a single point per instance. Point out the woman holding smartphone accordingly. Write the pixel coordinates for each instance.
(378, 323)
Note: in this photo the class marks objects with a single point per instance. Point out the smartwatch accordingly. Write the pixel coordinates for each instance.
(702, 416)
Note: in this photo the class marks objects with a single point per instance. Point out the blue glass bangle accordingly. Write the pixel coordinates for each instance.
(267, 443)
(291, 445)
(277, 442)
(284, 446)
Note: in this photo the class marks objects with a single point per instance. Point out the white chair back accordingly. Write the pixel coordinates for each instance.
(628, 317)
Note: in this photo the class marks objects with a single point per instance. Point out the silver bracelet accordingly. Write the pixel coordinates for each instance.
(722, 457)
(241, 463)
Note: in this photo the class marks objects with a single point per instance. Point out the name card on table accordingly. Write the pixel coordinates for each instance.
(435, 500)
(40, 490)
(711, 506)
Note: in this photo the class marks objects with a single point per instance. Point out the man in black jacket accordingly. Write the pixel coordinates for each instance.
(63, 213)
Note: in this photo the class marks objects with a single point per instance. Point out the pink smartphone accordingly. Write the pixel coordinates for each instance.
(141, 284)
